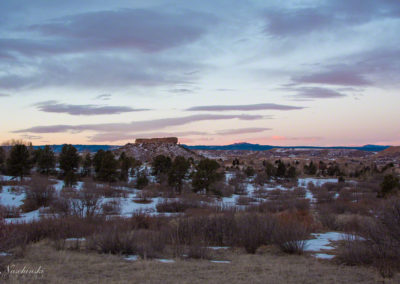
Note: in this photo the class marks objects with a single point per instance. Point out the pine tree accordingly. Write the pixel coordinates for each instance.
(69, 163)
(161, 165)
(2, 159)
(45, 159)
(106, 166)
(19, 163)
(97, 160)
(281, 170)
(179, 169)
(125, 163)
(206, 174)
(389, 185)
(87, 165)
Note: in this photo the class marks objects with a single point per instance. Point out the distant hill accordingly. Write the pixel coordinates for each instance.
(82, 148)
(258, 147)
(145, 150)
(391, 151)
(236, 146)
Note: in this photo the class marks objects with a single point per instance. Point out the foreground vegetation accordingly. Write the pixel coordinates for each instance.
(264, 228)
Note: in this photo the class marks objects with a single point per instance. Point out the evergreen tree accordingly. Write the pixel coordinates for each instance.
(45, 159)
(270, 170)
(389, 184)
(97, 160)
(142, 181)
(87, 165)
(108, 168)
(291, 172)
(19, 163)
(125, 163)
(179, 169)
(310, 169)
(206, 174)
(2, 159)
(249, 171)
(69, 163)
(161, 165)
(281, 170)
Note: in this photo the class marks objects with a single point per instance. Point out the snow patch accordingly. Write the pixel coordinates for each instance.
(131, 257)
(220, 261)
(165, 260)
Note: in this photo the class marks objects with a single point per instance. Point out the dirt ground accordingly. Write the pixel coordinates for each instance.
(266, 267)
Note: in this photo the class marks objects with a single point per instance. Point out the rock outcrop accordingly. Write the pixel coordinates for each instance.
(146, 149)
(166, 140)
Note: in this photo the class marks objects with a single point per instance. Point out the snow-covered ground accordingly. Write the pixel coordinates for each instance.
(323, 242)
(12, 196)
(9, 197)
(25, 217)
(303, 182)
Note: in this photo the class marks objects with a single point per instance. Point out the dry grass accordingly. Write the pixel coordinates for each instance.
(269, 267)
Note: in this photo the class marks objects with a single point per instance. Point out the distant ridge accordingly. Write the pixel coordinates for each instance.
(237, 146)
(258, 147)
(82, 148)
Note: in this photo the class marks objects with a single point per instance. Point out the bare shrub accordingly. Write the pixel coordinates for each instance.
(323, 195)
(112, 207)
(261, 178)
(9, 211)
(299, 192)
(354, 251)
(149, 244)
(380, 245)
(143, 197)
(198, 251)
(177, 205)
(117, 240)
(112, 240)
(85, 203)
(254, 230)
(61, 206)
(238, 183)
(326, 217)
(245, 200)
(290, 235)
(39, 193)
(220, 188)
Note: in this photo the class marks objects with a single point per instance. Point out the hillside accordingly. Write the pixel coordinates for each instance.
(146, 149)
(258, 147)
(393, 151)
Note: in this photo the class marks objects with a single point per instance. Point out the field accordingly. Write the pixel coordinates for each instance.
(184, 220)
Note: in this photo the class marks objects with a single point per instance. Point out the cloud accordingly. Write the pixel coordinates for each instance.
(98, 71)
(146, 125)
(338, 75)
(284, 138)
(31, 137)
(327, 15)
(315, 93)
(296, 21)
(103, 97)
(4, 95)
(140, 29)
(244, 107)
(242, 131)
(56, 107)
(376, 67)
(181, 91)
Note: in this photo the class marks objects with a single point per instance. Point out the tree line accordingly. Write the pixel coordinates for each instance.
(104, 166)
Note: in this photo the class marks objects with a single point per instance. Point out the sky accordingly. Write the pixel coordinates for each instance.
(209, 72)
